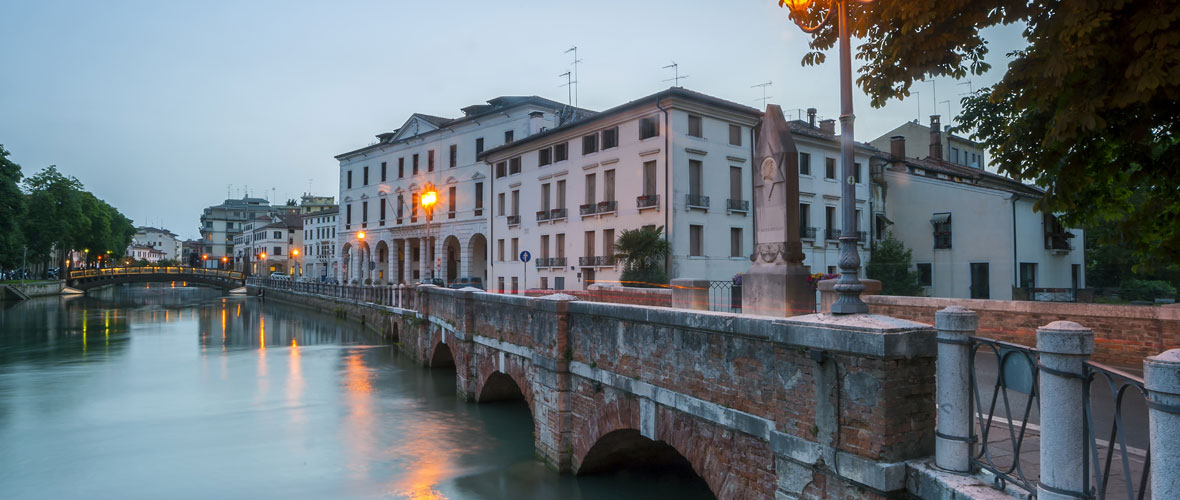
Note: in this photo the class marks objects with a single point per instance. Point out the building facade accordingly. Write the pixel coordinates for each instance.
(163, 240)
(934, 141)
(270, 244)
(386, 235)
(319, 244)
(220, 224)
(677, 159)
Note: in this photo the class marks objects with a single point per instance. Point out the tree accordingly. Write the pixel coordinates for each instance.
(1087, 110)
(891, 262)
(55, 216)
(12, 210)
(643, 252)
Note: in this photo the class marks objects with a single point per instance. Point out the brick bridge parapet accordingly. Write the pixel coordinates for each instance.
(805, 407)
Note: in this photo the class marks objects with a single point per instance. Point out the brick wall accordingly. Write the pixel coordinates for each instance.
(1123, 335)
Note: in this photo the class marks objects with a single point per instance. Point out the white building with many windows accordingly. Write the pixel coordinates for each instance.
(677, 159)
(221, 224)
(163, 240)
(381, 185)
(319, 244)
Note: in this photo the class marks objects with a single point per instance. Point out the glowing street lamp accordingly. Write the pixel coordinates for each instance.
(849, 286)
(428, 200)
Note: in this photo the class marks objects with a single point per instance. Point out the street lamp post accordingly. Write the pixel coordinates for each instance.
(429, 198)
(849, 286)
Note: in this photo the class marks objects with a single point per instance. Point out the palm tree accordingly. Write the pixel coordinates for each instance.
(643, 251)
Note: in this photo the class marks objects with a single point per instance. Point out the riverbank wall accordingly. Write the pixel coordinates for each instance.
(28, 290)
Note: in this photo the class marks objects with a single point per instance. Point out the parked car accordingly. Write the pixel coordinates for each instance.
(432, 281)
(467, 281)
(279, 276)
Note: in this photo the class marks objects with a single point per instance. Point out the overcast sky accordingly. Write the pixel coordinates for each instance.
(157, 106)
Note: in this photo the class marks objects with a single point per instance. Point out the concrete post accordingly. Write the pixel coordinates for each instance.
(689, 293)
(952, 445)
(1064, 346)
(423, 258)
(406, 261)
(1161, 378)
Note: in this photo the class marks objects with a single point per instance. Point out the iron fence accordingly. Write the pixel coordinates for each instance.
(1014, 388)
(1098, 471)
(725, 296)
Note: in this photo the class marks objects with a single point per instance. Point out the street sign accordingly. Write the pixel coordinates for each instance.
(525, 256)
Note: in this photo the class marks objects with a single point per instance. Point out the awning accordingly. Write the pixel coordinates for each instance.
(882, 217)
(940, 218)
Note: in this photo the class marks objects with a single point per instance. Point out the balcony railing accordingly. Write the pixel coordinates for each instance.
(557, 262)
(557, 214)
(647, 201)
(696, 201)
(588, 209)
(863, 235)
(737, 205)
(590, 261)
(542, 262)
(831, 234)
(604, 260)
(513, 220)
(542, 215)
(807, 233)
(1058, 241)
(608, 207)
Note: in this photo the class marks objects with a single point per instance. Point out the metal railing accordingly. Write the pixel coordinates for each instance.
(588, 209)
(1016, 373)
(608, 207)
(807, 233)
(604, 260)
(587, 261)
(737, 205)
(1052, 294)
(1098, 470)
(696, 201)
(647, 201)
(558, 214)
(831, 234)
(387, 295)
(513, 220)
(542, 215)
(725, 296)
(127, 271)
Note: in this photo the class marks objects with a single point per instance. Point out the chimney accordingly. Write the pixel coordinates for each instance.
(828, 126)
(935, 137)
(897, 147)
(535, 122)
(811, 116)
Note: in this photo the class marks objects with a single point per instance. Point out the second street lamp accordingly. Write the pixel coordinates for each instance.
(849, 286)
(429, 198)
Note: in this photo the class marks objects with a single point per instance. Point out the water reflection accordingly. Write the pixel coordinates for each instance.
(174, 391)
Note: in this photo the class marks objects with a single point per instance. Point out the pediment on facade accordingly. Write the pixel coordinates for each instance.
(416, 125)
(477, 176)
(452, 180)
(347, 198)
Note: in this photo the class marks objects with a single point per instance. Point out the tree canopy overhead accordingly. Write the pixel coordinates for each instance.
(1087, 110)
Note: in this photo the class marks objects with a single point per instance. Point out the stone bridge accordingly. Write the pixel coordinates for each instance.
(806, 407)
(85, 279)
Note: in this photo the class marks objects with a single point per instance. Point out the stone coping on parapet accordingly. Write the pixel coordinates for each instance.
(861, 334)
(1070, 309)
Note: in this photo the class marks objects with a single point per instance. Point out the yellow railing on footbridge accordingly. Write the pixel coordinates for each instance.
(155, 270)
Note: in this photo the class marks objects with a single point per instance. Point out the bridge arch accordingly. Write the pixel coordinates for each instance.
(503, 383)
(441, 356)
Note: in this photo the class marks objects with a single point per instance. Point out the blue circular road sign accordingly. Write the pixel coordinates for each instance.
(525, 256)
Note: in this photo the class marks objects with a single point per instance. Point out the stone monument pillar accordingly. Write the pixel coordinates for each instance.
(776, 284)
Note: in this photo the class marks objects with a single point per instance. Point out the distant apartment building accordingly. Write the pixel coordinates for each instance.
(220, 224)
(974, 234)
(950, 147)
(270, 244)
(319, 244)
(145, 253)
(677, 159)
(309, 203)
(163, 240)
(381, 187)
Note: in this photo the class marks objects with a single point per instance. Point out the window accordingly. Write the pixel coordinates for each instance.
(544, 246)
(515, 202)
(544, 157)
(561, 194)
(589, 144)
(278, 235)
(347, 216)
(365, 177)
(453, 156)
(608, 242)
(805, 220)
(382, 218)
(608, 185)
(559, 245)
(501, 280)
(589, 244)
(649, 178)
(414, 207)
(384, 170)
(401, 167)
(500, 203)
(415, 172)
(694, 177)
(804, 163)
(610, 138)
(430, 160)
(735, 242)
(649, 127)
(514, 166)
(451, 200)
(479, 146)
(544, 282)
(545, 198)
(830, 222)
(401, 203)
(694, 126)
(696, 242)
(735, 183)
(508, 136)
(515, 285)
(591, 180)
(500, 250)
(561, 152)
(925, 274)
(735, 135)
(364, 212)
(479, 198)
(942, 230)
(1028, 275)
(515, 249)
(501, 169)
(829, 168)
(278, 251)
(349, 175)
(857, 173)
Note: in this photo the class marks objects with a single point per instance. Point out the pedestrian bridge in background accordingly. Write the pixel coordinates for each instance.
(85, 279)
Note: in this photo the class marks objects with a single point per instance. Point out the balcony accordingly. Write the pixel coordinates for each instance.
(542, 262)
(557, 214)
(590, 261)
(513, 220)
(542, 215)
(696, 201)
(863, 237)
(831, 234)
(557, 262)
(1058, 243)
(608, 207)
(807, 233)
(742, 206)
(588, 209)
(604, 261)
(647, 201)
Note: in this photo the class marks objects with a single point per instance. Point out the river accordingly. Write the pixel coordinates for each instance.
(155, 391)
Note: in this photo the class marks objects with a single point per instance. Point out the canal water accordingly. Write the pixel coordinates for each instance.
(155, 391)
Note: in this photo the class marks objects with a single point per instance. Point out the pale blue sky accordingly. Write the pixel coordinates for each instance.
(158, 106)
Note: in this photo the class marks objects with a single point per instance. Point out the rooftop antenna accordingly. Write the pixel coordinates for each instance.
(934, 86)
(676, 74)
(228, 191)
(569, 85)
(918, 99)
(950, 118)
(764, 96)
(574, 49)
(970, 87)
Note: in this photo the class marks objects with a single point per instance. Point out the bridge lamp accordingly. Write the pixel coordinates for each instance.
(262, 255)
(360, 236)
(205, 256)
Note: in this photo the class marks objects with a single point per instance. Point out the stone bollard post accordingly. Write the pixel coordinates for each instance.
(1064, 346)
(1161, 378)
(690, 293)
(952, 445)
